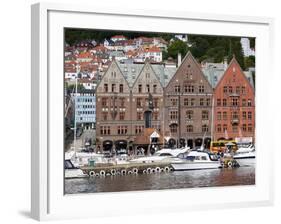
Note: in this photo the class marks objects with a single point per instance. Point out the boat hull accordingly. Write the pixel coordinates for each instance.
(74, 173)
(246, 161)
(196, 166)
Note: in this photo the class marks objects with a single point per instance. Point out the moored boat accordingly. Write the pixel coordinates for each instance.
(197, 160)
(72, 171)
(163, 155)
(246, 156)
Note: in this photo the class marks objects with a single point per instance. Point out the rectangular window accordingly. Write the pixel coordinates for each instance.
(139, 116)
(148, 88)
(189, 128)
(192, 103)
(140, 88)
(224, 127)
(104, 102)
(250, 127)
(230, 89)
(208, 102)
(113, 88)
(139, 104)
(224, 115)
(201, 102)
(185, 101)
(225, 89)
(122, 115)
(249, 115)
(201, 89)
(224, 102)
(243, 102)
(234, 102)
(185, 88)
(190, 89)
(244, 115)
(244, 127)
(105, 88)
(219, 128)
(173, 128)
(235, 115)
(189, 114)
(205, 115)
(177, 89)
(218, 102)
(121, 88)
(173, 115)
(174, 102)
(205, 128)
(219, 116)
(237, 89)
(249, 102)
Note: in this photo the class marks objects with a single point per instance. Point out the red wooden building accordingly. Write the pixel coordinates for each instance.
(234, 99)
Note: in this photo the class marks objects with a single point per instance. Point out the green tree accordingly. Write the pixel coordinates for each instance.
(176, 47)
(249, 61)
(71, 87)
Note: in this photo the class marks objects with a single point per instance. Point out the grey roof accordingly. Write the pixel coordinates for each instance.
(131, 72)
(214, 72)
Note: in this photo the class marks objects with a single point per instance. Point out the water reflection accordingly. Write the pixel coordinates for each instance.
(173, 180)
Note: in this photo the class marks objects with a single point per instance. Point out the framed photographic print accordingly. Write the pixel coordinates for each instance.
(160, 118)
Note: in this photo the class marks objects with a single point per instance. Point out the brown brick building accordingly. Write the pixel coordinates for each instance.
(125, 109)
(113, 110)
(234, 96)
(188, 105)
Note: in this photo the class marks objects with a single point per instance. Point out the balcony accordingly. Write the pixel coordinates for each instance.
(234, 120)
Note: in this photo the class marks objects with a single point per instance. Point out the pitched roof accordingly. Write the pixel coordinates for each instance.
(153, 49)
(144, 137)
(236, 64)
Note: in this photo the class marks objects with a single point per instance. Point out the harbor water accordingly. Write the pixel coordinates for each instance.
(160, 181)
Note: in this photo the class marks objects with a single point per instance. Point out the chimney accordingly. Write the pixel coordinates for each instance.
(225, 63)
(179, 59)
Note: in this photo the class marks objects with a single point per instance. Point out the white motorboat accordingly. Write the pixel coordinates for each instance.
(246, 156)
(197, 160)
(71, 171)
(163, 155)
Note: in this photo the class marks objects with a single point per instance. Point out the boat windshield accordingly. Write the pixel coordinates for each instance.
(213, 157)
(190, 158)
(165, 154)
(68, 164)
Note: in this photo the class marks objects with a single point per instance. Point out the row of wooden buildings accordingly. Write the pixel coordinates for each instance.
(177, 108)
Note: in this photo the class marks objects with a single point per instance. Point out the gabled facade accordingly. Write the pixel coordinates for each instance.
(113, 110)
(147, 101)
(188, 106)
(234, 98)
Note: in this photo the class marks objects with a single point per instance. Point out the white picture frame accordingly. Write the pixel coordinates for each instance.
(48, 200)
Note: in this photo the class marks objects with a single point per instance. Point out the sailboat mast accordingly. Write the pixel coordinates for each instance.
(212, 118)
(75, 126)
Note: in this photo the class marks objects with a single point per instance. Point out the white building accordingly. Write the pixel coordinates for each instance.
(182, 37)
(85, 109)
(247, 50)
(118, 38)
